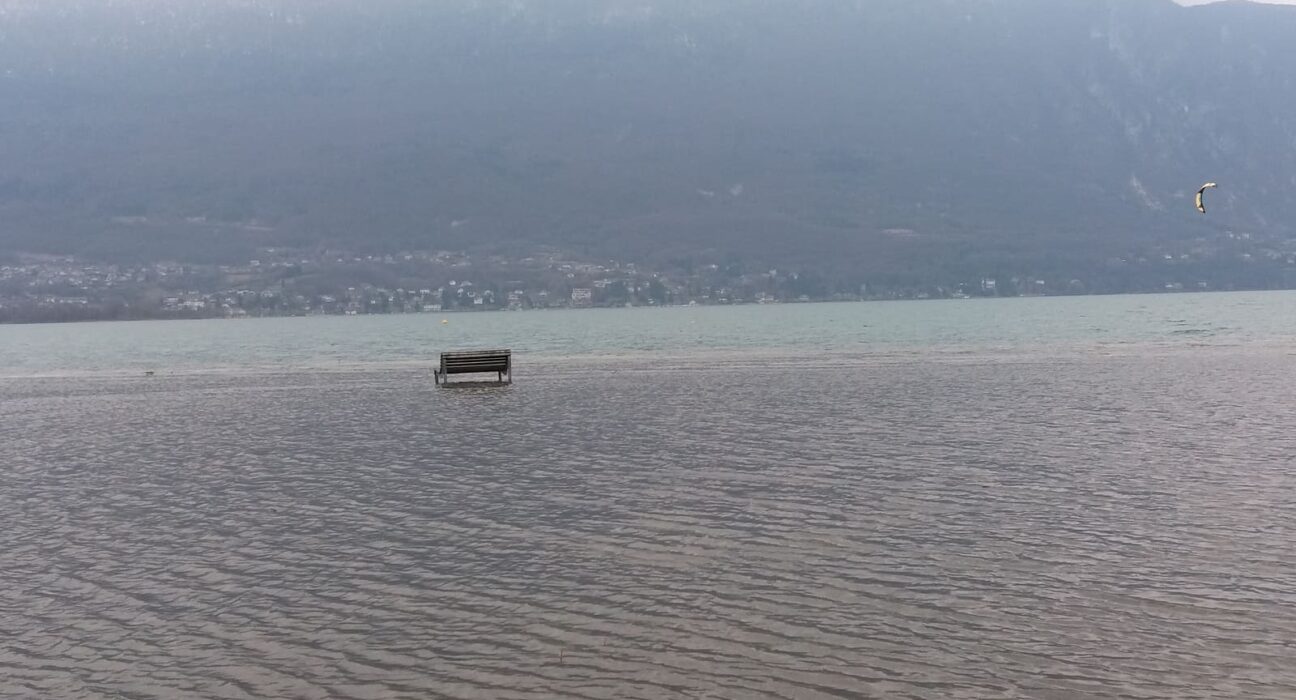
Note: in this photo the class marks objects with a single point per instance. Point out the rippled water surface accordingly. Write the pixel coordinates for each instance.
(1089, 520)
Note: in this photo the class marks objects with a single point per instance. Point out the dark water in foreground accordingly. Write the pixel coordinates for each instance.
(971, 526)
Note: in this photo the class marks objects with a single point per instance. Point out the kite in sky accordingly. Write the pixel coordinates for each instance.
(1201, 207)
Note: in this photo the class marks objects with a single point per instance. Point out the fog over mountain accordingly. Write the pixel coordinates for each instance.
(857, 136)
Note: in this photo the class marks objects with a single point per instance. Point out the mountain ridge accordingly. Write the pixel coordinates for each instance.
(855, 137)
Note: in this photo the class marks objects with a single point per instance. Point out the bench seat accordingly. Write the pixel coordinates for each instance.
(498, 362)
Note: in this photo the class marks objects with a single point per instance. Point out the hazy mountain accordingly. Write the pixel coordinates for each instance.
(850, 134)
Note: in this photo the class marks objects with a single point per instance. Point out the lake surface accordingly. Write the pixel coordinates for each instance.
(1026, 498)
(912, 329)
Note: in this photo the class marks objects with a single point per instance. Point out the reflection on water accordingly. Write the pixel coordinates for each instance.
(952, 527)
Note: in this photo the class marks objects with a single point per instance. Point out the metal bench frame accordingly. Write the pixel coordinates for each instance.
(474, 362)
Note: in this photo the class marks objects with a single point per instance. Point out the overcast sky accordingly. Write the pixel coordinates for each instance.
(1203, 2)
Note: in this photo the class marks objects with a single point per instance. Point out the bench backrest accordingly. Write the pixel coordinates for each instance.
(475, 361)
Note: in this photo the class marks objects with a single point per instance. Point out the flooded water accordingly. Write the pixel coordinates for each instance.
(934, 514)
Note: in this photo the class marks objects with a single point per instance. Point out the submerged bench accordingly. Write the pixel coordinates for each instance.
(499, 362)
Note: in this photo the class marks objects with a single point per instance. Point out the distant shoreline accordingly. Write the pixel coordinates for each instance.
(469, 312)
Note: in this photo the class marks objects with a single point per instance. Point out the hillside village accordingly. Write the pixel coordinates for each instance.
(288, 282)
